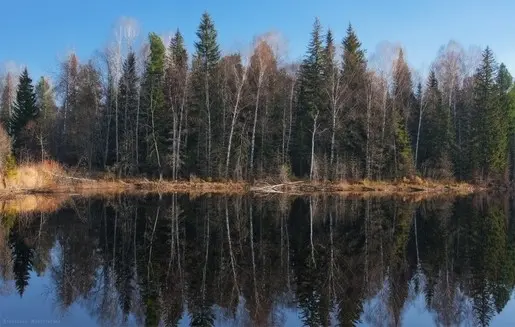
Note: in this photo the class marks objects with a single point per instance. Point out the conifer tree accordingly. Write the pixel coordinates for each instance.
(402, 101)
(436, 133)
(489, 145)
(176, 88)
(333, 87)
(353, 135)
(153, 117)
(128, 101)
(505, 117)
(310, 103)
(24, 109)
(205, 115)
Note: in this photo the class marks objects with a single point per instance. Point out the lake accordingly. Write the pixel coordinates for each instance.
(179, 260)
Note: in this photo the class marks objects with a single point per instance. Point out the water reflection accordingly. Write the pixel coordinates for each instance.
(256, 261)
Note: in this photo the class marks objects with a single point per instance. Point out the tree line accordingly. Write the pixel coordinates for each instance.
(207, 261)
(156, 110)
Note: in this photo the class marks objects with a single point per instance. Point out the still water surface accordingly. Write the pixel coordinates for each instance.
(259, 261)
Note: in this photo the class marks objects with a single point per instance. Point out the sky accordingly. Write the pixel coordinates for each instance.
(39, 34)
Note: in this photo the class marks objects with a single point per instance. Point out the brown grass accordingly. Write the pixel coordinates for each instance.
(415, 188)
(50, 177)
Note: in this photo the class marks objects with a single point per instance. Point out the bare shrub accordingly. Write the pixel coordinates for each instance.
(5, 148)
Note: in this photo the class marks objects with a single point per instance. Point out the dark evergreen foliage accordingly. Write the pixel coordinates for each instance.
(24, 110)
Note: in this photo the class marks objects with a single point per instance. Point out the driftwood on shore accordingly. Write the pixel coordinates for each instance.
(277, 188)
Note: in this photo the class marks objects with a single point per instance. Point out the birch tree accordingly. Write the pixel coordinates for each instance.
(8, 97)
(239, 65)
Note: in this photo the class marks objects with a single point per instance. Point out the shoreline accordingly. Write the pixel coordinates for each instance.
(417, 186)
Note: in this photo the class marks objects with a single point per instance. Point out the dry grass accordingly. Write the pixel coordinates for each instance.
(32, 176)
(415, 188)
(50, 177)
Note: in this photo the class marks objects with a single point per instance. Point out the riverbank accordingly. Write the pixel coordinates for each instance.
(49, 177)
(30, 181)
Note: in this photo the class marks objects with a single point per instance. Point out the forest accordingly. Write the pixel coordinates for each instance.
(148, 108)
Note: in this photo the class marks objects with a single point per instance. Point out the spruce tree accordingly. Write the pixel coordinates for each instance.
(505, 117)
(152, 147)
(489, 149)
(24, 109)
(176, 88)
(354, 135)
(311, 95)
(205, 114)
(128, 100)
(402, 101)
(435, 139)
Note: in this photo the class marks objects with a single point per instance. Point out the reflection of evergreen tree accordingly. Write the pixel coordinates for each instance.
(23, 256)
(399, 273)
(310, 270)
(488, 245)
(351, 243)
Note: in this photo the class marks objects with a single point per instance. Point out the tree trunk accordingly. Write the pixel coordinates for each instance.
(233, 121)
(174, 141)
(156, 147)
(208, 108)
(137, 132)
(252, 142)
(291, 117)
(367, 151)
(312, 166)
(116, 126)
(233, 264)
(418, 135)
(181, 114)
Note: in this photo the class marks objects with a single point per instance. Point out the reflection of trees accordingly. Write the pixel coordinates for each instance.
(241, 259)
(6, 262)
(23, 256)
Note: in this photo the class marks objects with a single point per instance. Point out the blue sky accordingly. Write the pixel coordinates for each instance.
(39, 33)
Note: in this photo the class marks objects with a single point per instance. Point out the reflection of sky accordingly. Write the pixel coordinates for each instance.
(39, 304)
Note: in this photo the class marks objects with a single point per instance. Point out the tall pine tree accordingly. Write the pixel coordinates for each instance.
(311, 95)
(24, 110)
(205, 114)
(402, 101)
(152, 146)
(435, 138)
(353, 136)
(128, 101)
(504, 116)
(176, 88)
(488, 151)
